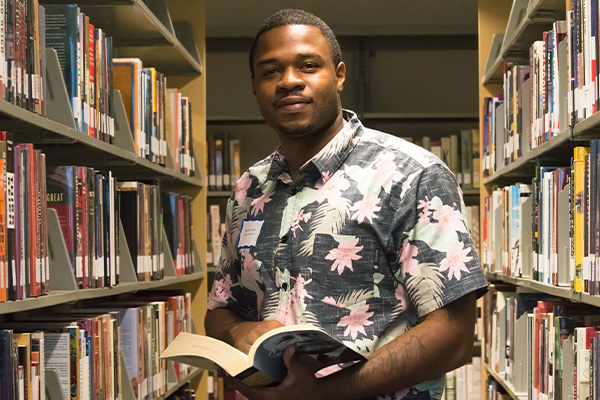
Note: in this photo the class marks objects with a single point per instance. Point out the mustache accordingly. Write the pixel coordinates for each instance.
(293, 97)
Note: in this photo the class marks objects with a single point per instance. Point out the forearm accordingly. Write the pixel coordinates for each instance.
(224, 324)
(220, 322)
(442, 342)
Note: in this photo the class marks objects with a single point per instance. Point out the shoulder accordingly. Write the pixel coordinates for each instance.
(408, 157)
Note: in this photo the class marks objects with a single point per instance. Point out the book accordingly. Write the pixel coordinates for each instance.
(263, 365)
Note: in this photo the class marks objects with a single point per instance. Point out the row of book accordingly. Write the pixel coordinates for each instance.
(157, 115)
(545, 347)
(88, 347)
(87, 204)
(22, 54)
(90, 204)
(223, 158)
(464, 383)
(460, 153)
(557, 89)
(548, 230)
(177, 219)
(85, 55)
(24, 256)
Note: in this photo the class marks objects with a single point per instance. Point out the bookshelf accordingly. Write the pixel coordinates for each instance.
(507, 29)
(168, 35)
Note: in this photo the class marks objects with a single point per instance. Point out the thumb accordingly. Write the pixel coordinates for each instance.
(288, 356)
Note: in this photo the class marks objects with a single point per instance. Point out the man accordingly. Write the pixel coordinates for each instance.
(351, 229)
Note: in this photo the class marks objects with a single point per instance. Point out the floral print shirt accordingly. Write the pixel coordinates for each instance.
(369, 238)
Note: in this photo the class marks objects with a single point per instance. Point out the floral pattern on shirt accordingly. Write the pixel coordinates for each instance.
(368, 239)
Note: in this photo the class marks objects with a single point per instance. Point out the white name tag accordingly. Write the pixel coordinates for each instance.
(250, 231)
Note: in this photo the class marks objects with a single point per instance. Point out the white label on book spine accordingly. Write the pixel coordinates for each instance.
(79, 263)
(162, 261)
(38, 268)
(140, 264)
(154, 263)
(101, 267)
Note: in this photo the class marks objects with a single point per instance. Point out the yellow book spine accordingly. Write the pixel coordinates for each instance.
(579, 154)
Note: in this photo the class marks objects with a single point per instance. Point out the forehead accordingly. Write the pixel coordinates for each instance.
(291, 40)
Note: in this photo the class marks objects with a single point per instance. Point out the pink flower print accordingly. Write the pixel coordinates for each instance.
(455, 261)
(332, 369)
(299, 217)
(344, 254)
(401, 296)
(258, 205)
(242, 186)
(250, 267)
(285, 315)
(221, 292)
(331, 187)
(299, 293)
(331, 301)
(366, 208)
(406, 256)
(448, 218)
(386, 173)
(356, 321)
(424, 215)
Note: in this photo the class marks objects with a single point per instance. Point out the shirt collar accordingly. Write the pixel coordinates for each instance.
(331, 157)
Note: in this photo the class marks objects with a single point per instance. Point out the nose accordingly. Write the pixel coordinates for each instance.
(290, 80)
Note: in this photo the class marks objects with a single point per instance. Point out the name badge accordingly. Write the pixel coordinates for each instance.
(249, 234)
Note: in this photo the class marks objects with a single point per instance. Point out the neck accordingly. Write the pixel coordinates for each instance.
(298, 151)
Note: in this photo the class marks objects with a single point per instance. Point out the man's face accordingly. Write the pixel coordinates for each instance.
(295, 81)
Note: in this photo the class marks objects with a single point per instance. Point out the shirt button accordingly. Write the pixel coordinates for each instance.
(293, 191)
(284, 239)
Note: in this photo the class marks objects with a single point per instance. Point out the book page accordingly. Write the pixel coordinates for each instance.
(203, 352)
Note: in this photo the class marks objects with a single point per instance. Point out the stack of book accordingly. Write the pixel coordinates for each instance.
(464, 383)
(85, 56)
(544, 347)
(87, 204)
(159, 117)
(224, 167)
(178, 126)
(88, 346)
(460, 153)
(558, 245)
(141, 216)
(24, 257)
(177, 218)
(22, 54)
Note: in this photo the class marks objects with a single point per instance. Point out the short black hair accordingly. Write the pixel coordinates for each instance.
(291, 16)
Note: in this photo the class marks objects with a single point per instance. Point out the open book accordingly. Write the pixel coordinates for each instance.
(263, 365)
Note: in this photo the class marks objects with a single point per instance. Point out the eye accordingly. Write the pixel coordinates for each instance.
(309, 66)
(269, 71)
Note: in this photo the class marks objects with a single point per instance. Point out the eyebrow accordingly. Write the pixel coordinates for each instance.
(302, 56)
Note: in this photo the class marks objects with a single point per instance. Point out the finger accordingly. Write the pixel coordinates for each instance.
(288, 355)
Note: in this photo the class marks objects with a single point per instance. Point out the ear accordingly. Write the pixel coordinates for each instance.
(340, 74)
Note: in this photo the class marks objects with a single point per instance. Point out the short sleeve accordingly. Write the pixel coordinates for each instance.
(437, 259)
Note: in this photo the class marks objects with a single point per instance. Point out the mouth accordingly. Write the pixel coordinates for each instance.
(293, 103)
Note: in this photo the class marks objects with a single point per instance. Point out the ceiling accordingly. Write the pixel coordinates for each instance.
(241, 18)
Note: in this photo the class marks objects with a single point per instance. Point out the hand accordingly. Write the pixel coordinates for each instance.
(244, 334)
(299, 384)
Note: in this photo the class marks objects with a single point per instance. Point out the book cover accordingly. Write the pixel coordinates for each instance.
(61, 186)
(263, 365)
(62, 34)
